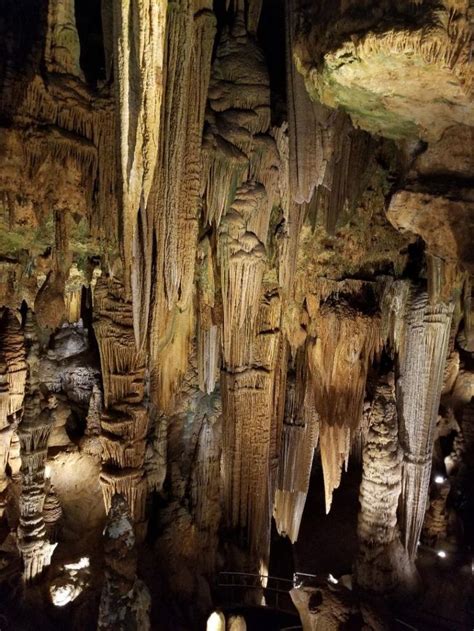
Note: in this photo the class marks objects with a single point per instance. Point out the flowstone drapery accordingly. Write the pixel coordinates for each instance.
(421, 366)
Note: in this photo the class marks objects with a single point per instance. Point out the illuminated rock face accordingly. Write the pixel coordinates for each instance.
(221, 224)
(421, 49)
(333, 607)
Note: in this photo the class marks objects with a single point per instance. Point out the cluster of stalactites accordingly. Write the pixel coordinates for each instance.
(242, 324)
(328, 156)
(347, 340)
(421, 367)
(139, 43)
(166, 232)
(125, 420)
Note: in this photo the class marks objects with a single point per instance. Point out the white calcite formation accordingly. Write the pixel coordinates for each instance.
(421, 366)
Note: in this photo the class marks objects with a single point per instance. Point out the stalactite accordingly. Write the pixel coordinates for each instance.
(421, 366)
(299, 440)
(62, 41)
(381, 563)
(249, 442)
(11, 343)
(293, 216)
(166, 234)
(348, 339)
(328, 163)
(209, 332)
(125, 601)
(139, 38)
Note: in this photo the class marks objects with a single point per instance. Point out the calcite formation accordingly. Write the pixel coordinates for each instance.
(421, 48)
(125, 600)
(334, 607)
(381, 562)
(422, 359)
(346, 342)
(124, 421)
(34, 429)
(235, 287)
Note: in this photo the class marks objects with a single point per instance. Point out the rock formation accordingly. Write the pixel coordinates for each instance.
(235, 296)
(125, 601)
(422, 361)
(381, 563)
(334, 607)
(33, 431)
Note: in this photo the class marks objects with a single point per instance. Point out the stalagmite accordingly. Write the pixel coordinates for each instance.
(435, 525)
(5, 432)
(125, 419)
(330, 606)
(52, 513)
(381, 564)
(125, 602)
(421, 367)
(250, 422)
(34, 430)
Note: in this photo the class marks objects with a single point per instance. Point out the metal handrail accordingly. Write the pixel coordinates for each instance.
(258, 578)
(269, 585)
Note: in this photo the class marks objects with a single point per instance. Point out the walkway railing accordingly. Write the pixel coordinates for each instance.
(276, 591)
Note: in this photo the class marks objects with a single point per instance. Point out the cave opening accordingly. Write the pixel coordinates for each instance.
(89, 28)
